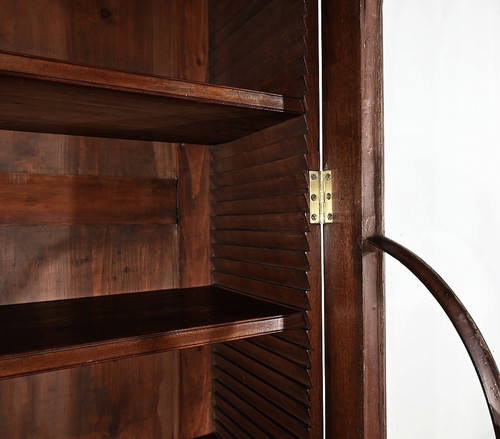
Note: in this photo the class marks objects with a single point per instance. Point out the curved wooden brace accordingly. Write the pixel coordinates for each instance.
(474, 342)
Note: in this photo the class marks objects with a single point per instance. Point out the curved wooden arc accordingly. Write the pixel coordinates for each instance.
(474, 342)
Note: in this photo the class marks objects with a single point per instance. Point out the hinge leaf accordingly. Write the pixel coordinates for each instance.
(320, 197)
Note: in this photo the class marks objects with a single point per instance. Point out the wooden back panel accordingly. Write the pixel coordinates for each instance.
(263, 244)
(130, 398)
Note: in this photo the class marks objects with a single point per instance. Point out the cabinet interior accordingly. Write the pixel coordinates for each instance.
(153, 167)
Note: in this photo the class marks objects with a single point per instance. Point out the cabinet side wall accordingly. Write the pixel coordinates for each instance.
(263, 244)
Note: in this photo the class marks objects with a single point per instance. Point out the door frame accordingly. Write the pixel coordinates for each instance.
(353, 150)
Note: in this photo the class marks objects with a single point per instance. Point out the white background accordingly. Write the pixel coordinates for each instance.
(442, 188)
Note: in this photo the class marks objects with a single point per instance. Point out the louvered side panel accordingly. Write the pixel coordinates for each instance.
(260, 247)
(262, 239)
(261, 48)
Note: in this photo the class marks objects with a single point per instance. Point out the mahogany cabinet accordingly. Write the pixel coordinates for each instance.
(161, 271)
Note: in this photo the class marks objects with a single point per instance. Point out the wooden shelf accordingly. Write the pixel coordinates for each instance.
(43, 95)
(43, 336)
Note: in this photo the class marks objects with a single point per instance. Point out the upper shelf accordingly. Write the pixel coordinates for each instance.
(49, 96)
(43, 336)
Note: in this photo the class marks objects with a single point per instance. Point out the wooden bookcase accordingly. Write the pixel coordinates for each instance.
(160, 277)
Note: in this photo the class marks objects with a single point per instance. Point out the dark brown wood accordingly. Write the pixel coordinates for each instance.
(477, 348)
(270, 428)
(256, 45)
(278, 169)
(283, 348)
(273, 257)
(285, 402)
(50, 335)
(279, 275)
(226, 353)
(190, 24)
(279, 150)
(229, 418)
(284, 131)
(264, 205)
(354, 306)
(284, 365)
(260, 44)
(68, 199)
(265, 290)
(278, 240)
(294, 426)
(50, 96)
(288, 185)
(195, 406)
(56, 262)
(314, 238)
(263, 242)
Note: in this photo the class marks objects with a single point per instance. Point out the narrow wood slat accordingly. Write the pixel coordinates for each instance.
(225, 353)
(293, 222)
(33, 199)
(279, 275)
(283, 240)
(293, 371)
(256, 45)
(56, 334)
(283, 348)
(229, 17)
(274, 257)
(270, 427)
(223, 432)
(283, 131)
(298, 410)
(299, 337)
(45, 95)
(267, 205)
(248, 75)
(225, 411)
(280, 150)
(287, 185)
(255, 400)
(234, 420)
(277, 293)
(280, 168)
(276, 25)
(293, 85)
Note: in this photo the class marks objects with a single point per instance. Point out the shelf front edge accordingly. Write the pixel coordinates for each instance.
(45, 361)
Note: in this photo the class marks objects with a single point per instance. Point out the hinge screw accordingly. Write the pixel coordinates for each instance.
(330, 217)
(328, 196)
(328, 177)
(313, 197)
(313, 176)
(313, 217)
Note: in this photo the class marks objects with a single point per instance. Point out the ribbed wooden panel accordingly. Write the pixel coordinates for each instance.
(266, 39)
(260, 248)
(259, 207)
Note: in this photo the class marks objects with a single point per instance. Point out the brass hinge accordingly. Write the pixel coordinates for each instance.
(320, 196)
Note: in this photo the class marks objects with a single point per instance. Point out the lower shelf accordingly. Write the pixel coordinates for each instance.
(44, 336)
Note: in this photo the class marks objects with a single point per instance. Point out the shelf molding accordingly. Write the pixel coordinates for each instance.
(46, 95)
(45, 336)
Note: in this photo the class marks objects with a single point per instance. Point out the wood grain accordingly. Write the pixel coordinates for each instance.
(56, 334)
(51, 96)
(34, 199)
(56, 262)
(352, 72)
